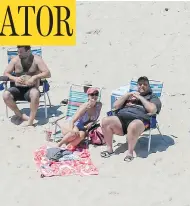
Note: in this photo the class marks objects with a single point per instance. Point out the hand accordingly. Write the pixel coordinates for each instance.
(31, 81)
(88, 126)
(71, 129)
(19, 80)
(135, 95)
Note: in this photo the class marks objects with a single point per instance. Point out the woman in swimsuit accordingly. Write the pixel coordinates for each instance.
(75, 130)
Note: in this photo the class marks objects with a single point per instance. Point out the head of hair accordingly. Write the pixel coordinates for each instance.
(143, 78)
(26, 47)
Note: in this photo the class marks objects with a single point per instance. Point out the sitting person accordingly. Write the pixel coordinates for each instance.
(28, 70)
(132, 117)
(75, 129)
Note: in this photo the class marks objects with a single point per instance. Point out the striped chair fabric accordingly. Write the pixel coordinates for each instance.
(156, 86)
(13, 52)
(76, 98)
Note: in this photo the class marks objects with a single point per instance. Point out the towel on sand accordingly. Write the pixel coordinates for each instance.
(81, 166)
(56, 154)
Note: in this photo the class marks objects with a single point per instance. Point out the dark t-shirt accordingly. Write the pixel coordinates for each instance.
(135, 108)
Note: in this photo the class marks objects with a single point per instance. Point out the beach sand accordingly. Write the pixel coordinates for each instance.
(115, 42)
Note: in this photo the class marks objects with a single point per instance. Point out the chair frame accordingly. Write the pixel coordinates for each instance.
(43, 84)
(65, 116)
(153, 120)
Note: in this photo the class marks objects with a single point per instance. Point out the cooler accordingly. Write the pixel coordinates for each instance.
(118, 93)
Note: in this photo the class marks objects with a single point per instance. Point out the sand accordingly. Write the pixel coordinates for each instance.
(115, 42)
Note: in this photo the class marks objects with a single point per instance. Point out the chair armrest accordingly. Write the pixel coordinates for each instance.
(56, 121)
(112, 112)
(4, 78)
(153, 120)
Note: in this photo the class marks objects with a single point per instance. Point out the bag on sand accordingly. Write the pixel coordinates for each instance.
(96, 136)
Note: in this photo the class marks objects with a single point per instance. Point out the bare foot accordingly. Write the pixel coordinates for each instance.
(28, 123)
(24, 117)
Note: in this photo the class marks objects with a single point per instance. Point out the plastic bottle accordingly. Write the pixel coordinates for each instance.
(49, 130)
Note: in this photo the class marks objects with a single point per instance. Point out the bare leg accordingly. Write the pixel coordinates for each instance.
(34, 98)
(9, 101)
(78, 139)
(68, 136)
(134, 130)
(111, 125)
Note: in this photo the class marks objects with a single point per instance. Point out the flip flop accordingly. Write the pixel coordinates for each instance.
(106, 154)
(128, 158)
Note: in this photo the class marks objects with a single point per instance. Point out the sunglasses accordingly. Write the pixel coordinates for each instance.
(94, 94)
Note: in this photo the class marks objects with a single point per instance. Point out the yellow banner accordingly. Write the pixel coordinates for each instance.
(38, 22)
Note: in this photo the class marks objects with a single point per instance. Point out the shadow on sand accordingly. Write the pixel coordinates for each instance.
(40, 116)
(158, 144)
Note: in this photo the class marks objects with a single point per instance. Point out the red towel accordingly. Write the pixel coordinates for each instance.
(47, 168)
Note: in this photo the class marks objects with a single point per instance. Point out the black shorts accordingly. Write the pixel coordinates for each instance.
(21, 93)
(126, 121)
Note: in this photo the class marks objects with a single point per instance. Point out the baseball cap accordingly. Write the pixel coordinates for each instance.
(92, 90)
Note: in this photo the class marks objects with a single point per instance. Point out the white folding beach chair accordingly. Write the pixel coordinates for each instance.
(44, 85)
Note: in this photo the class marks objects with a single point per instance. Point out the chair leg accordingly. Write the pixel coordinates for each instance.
(7, 115)
(49, 99)
(158, 128)
(45, 105)
(149, 140)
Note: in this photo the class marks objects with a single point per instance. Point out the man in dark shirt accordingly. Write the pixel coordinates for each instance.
(132, 117)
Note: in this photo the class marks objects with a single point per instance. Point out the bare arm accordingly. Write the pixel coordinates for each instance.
(44, 71)
(9, 70)
(149, 106)
(99, 109)
(82, 109)
(119, 103)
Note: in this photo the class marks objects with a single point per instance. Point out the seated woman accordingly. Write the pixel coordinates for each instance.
(75, 129)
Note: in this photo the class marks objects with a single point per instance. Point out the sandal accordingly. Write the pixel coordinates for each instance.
(128, 158)
(106, 154)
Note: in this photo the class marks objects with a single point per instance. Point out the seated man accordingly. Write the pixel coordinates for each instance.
(131, 117)
(28, 69)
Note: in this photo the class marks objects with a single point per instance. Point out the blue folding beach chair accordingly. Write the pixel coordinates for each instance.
(76, 97)
(156, 87)
(44, 85)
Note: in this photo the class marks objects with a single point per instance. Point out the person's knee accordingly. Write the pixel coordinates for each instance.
(34, 95)
(71, 136)
(7, 96)
(105, 122)
(135, 128)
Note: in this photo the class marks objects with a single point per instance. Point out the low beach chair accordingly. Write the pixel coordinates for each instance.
(156, 87)
(44, 85)
(77, 96)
